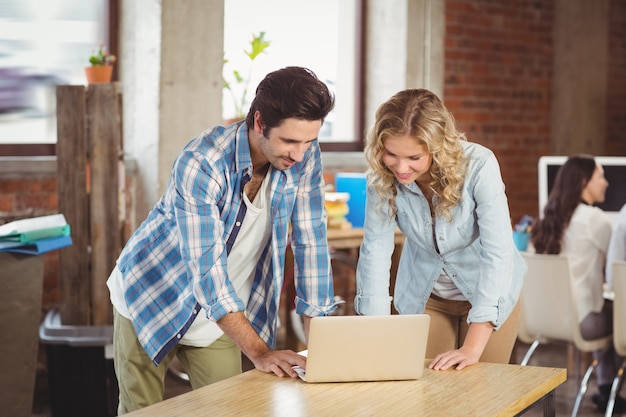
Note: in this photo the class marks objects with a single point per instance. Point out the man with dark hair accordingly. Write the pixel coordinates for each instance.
(201, 278)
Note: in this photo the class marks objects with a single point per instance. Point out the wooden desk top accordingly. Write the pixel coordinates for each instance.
(352, 238)
(484, 389)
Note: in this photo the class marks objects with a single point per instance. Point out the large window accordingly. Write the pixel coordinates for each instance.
(323, 35)
(42, 44)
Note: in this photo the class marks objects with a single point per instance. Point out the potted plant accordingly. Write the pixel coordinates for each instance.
(101, 68)
(238, 85)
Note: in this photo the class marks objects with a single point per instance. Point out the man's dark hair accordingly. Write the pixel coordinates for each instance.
(291, 92)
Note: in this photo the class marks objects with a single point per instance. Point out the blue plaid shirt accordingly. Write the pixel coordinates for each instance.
(176, 261)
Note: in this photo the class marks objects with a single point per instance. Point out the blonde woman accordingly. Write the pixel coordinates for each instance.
(458, 263)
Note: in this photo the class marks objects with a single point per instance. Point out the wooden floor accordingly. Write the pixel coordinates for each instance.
(549, 355)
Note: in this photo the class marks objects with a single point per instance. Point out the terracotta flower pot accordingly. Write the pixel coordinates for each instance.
(99, 74)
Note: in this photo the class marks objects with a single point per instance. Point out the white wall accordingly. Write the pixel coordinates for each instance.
(171, 83)
(405, 49)
(140, 69)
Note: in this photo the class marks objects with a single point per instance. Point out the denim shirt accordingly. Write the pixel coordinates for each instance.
(475, 249)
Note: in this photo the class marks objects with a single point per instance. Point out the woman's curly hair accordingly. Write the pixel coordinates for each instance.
(420, 114)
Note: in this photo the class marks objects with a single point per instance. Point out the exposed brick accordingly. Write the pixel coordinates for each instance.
(40, 202)
(498, 61)
(13, 185)
(7, 203)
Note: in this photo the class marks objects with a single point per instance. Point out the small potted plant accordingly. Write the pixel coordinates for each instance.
(101, 68)
(238, 86)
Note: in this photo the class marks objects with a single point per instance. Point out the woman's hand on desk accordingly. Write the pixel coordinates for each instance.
(460, 358)
(468, 354)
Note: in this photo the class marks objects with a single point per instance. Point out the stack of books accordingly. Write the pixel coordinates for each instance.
(35, 235)
(336, 205)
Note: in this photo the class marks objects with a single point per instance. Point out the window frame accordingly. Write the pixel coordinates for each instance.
(355, 145)
(49, 149)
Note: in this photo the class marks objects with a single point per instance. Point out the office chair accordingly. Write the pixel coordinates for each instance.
(549, 311)
(619, 328)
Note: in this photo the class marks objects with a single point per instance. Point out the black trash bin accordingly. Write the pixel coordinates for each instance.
(80, 368)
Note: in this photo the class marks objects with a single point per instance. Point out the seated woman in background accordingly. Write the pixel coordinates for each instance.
(571, 226)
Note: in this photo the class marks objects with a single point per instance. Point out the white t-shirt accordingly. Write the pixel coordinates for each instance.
(447, 289)
(585, 242)
(242, 260)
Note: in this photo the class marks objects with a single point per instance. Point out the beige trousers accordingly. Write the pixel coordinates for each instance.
(141, 383)
(448, 327)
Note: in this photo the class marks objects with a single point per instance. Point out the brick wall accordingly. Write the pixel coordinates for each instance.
(498, 83)
(498, 63)
(36, 195)
(30, 197)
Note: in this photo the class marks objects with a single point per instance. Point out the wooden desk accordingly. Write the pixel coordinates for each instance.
(484, 389)
(352, 238)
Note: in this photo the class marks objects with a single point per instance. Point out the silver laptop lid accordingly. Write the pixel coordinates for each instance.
(367, 348)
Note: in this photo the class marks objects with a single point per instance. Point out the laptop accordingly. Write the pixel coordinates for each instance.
(365, 348)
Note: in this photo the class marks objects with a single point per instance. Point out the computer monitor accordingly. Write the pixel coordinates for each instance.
(614, 171)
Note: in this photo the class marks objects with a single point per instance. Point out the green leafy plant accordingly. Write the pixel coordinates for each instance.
(238, 86)
(102, 56)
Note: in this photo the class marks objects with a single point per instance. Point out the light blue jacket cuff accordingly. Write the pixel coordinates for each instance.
(372, 306)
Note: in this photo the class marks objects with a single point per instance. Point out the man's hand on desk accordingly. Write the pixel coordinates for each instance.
(300, 360)
(280, 362)
(238, 328)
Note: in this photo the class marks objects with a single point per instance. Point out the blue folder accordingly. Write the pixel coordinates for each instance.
(37, 247)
